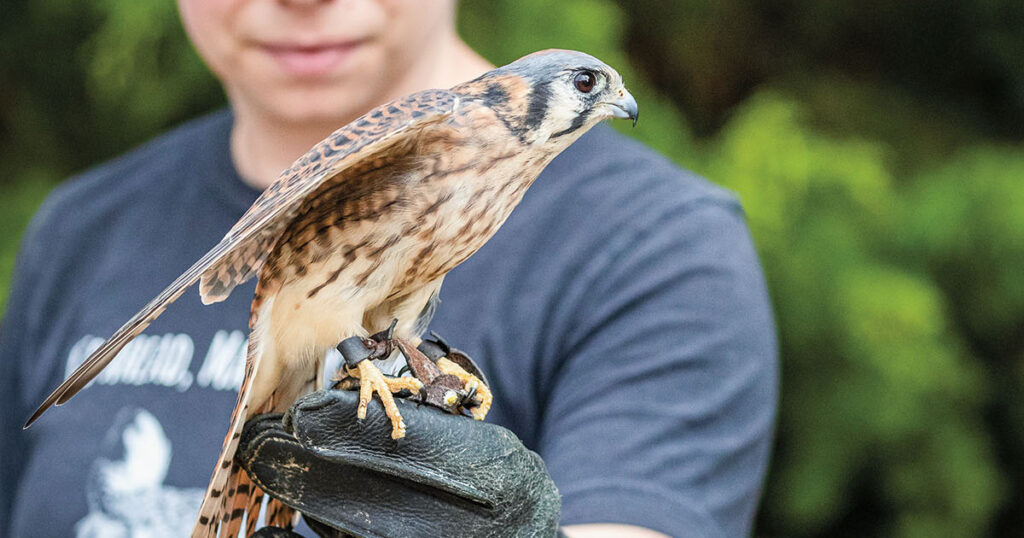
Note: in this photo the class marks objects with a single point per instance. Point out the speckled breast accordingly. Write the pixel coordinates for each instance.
(465, 210)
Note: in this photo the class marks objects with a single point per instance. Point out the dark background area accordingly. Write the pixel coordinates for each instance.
(877, 148)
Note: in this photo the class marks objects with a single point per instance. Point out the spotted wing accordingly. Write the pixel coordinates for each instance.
(365, 139)
(239, 255)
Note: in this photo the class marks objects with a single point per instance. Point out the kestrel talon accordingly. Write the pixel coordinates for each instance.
(363, 228)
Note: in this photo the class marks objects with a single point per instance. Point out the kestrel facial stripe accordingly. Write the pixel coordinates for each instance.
(538, 108)
(577, 122)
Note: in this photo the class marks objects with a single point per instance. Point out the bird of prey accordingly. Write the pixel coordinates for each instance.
(362, 229)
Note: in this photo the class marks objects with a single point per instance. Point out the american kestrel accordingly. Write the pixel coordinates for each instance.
(362, 229)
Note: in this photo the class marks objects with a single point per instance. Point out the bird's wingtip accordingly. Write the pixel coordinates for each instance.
(54, 399)
(33, 418)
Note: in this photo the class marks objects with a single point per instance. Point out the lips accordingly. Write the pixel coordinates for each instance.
(311, 60)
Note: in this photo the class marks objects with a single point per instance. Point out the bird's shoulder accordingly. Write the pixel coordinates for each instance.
(362, 140)
(337, 171)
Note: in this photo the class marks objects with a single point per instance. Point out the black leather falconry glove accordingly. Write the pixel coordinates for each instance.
(450, 476)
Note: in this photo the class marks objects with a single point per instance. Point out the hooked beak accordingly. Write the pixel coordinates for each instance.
(625, 107)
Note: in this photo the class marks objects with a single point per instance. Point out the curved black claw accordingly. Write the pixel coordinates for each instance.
(469, 401)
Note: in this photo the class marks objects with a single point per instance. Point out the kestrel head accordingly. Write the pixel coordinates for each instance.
(553, 96)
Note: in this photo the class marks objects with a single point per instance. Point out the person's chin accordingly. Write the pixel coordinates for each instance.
(327, 105)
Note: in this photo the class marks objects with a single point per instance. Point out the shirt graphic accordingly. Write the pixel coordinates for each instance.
(125, 491)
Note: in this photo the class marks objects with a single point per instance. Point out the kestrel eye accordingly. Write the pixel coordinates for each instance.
(584, 81)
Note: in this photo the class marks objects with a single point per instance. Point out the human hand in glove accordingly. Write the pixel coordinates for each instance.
(450, 476)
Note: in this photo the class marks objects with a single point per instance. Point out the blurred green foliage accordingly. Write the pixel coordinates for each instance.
(876, 147)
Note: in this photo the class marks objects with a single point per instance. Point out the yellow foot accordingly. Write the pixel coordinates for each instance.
(471, 382)
(372, 380)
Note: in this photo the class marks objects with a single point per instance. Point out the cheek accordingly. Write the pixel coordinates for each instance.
(570, 104)
(210, 26)
(412, 23)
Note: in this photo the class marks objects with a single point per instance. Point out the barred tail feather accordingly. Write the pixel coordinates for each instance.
(219, 511)
(252, 511)
(281, 515)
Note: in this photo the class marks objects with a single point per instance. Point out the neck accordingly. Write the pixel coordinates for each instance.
(262, 145)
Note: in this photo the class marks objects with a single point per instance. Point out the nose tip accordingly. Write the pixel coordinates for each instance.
(626, 107)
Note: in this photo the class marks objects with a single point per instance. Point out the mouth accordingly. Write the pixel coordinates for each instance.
(311, 60)
(625, 107)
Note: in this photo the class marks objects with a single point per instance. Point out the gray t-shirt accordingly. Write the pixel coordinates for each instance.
(620, 314)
